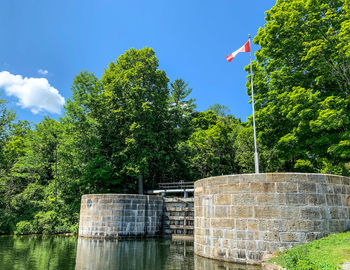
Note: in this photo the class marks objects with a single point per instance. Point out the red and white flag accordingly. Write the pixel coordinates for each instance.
(244, 48)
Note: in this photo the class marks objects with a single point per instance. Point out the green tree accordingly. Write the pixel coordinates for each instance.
(38, 162)
(211, 148)
(31, 181)
(83, 165)
(6, 118)
(182, 109)
(15, 144)
(301, 74)
(136, 121)
(219, 110)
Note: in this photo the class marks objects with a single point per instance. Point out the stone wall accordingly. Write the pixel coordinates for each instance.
(120, 215)
(240, 218)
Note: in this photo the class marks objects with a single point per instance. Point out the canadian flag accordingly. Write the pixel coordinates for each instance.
(244, 48)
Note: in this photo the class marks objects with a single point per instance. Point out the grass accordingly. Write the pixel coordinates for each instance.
(327, 253)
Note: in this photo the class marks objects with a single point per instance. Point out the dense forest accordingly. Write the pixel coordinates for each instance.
(133, 128)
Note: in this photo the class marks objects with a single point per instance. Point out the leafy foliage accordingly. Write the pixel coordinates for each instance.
(302, 80)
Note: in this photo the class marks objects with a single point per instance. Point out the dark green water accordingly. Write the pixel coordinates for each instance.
(64, 253)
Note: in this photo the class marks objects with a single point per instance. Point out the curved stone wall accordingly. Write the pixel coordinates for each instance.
(240, 218)
(120, 215)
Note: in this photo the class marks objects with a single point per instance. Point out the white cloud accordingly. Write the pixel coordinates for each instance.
(35, 94)
(43, 72)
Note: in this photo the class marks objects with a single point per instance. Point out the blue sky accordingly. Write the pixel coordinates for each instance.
(55, 40)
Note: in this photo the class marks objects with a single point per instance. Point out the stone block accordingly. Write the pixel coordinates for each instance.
(275, 177)
(324, 189)
(231, 188)
(250, 235)
(334, 179)
(266, 211)
(310, 213)
(263, 187)
(295, 199)
(242, 235)
(274, 225)
(251, 245)
(288, 237)
(266, 199)
(241, 254)
(311, 236)
(296, 177)
(241, 224)
(262, 225)
(222, 199)
(269, 236)
(317, 178)
(229, 234)
(243, 199)
(219, 180)
(311, 199)
(255, 255)
(253, 224)
(219, 252)
(338, 189)
(213, 190)
(330, 199)
(281, 198)
(198, 191)
(287, 187)
(307, 187)
(221, 211)
(243, 212)
(334, 212)
(338, 200)
(222, 223)
(217, 233)
(334, 226)
(290, 225)
(306, 225)
(244, 187)
(249, 178)
(321, 199)
(241, 244)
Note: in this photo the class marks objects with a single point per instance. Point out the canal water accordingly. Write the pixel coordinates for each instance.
(64, 253)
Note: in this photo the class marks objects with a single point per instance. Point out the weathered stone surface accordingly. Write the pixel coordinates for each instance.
(241, 218)
(120, 215)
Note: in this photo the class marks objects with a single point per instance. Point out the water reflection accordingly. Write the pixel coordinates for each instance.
(122, 254)
(150, 254)
(133, 254)
(207, 264)
(37, 252)
(68, 253)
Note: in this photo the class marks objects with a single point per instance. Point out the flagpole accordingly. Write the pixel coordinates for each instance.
(256, 157)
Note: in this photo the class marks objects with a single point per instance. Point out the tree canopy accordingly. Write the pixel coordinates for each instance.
(302, 81)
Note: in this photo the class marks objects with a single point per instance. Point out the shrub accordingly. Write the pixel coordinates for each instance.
(24, 227)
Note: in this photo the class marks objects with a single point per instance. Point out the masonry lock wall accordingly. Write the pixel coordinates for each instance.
(240, 218)
(120, 215)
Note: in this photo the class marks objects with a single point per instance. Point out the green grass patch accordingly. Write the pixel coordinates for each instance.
(326, 253)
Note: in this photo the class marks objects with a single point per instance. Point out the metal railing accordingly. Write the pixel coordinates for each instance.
(174, 187)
